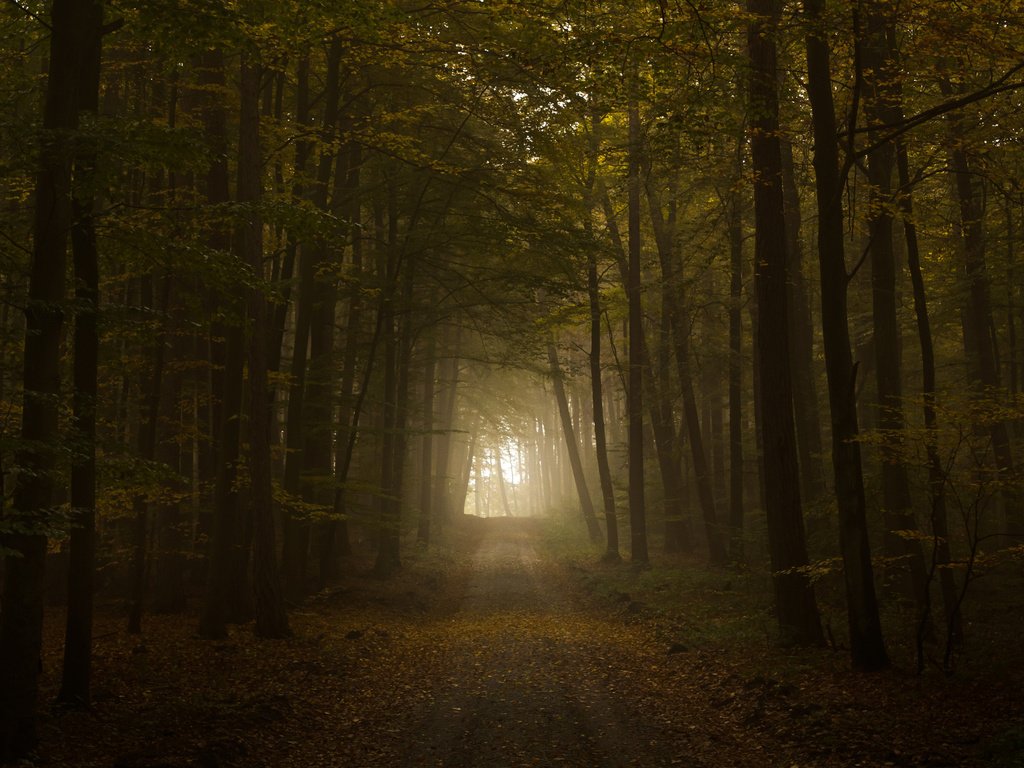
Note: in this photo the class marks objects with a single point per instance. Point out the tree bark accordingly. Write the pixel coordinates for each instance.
(271, 618)
(22, 612)
(801, 330)
(867, 648)
(795, 605)
(583, 494)
(883, 108)
(634, 392)
(676, 301)
(427, 450)
(936, 472)
(75, 687)
(736, 538)
(976, 317)
(597, 395)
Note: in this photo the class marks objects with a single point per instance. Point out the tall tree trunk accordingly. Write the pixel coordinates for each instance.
(223, 601)
(867, 647)
(76, 675)
(427, 450)
(583, 494)
(736, 538)
(976, 316)
(271, 619)
(151, 383)
(442, 505)
(795, 605)
(883, 108)
(936, 472)
(801, 336)
(21, 617)
(169, 561)
(604, 471)
(295, 528)
(460, 502)
(350, 407)
(389, 534)
(634, 392)
(678, 536)
(676, 301)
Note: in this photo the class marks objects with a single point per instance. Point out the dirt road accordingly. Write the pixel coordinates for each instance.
(500, 658)
(517, 672)
(528, 678)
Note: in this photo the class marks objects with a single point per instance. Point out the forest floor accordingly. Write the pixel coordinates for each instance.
(498, 653)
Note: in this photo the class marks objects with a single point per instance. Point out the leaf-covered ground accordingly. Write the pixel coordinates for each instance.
(497, 655)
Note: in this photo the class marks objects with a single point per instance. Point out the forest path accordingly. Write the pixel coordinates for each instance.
(496, 655)
(518, 672)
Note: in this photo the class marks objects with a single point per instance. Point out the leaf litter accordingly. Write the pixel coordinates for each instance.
(499, 655)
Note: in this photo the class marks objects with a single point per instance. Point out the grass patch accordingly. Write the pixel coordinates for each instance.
(697, 605)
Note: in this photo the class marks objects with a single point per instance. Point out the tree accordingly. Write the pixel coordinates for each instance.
(634, 391)
(271, 618)
(77, 670)
(795, 604)
(74, 30)
(867, 648)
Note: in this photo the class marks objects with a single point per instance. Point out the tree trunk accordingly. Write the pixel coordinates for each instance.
(634, 392)
(225, 600)
(936, 471)
(736, 539)
(389, 533)
(795, 605)
(681, 334)
(449, 398)
(169, 561)
(586, 504)
(597, 395)
(801, 330)
(72, 24)
(427, 450)
(350, 407)
(271, 619)
(867, 647)
(152, 384)
(77, 670)
(976, 318)
(883, 108)
(678, 536)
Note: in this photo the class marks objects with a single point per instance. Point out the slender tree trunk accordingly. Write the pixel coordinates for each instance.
(77, 670)
(597, 395)
(442, 482)
(350, 407)
(936, 472)
(681, 334)
(169, 561)
(389, 535)
(21, 617)
(152, 384)
(583, 494)
(801, 334)
(976, 317)
(427, 451)
(678, 536)
(637, 496)
(795, 605)
(883, 108)
(271, 619)
(222, 603)
(736, 538)
(867, 647)
(460, 504)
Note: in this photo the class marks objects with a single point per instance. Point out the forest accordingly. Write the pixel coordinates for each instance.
(511, 383)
